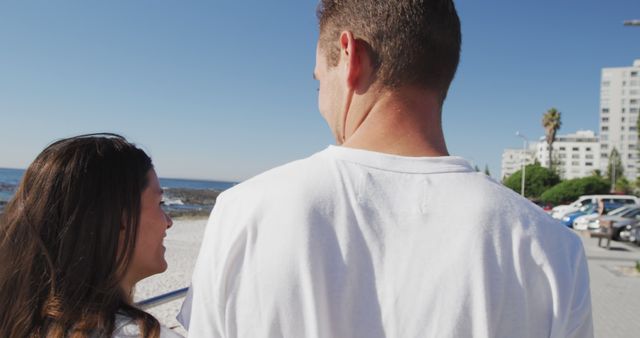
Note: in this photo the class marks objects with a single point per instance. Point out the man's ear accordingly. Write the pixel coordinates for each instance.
(352, 56)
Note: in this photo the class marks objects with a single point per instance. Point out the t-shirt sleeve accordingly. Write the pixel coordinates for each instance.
(184, 315)
(217, 267)
(580, 321)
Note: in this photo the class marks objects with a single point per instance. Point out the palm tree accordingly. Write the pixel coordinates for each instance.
(551, 123)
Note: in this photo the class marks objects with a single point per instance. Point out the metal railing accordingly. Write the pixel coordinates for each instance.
(162, 299)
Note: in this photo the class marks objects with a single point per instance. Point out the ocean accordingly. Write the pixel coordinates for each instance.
(10, 178)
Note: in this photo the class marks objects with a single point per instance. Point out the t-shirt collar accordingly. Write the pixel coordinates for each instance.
(383, 161)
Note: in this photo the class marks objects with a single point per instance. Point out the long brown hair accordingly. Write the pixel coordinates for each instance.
(66, 239)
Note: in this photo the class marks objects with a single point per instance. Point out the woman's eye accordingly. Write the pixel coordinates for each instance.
(161, 202)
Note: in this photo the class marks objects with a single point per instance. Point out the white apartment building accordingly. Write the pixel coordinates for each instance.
(576, 155)
(512, 160)
(619, 109)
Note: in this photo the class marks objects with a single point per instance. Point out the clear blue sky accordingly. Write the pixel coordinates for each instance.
(224, 89)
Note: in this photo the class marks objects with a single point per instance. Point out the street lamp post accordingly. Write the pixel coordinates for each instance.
(524, 165)
(614, 157)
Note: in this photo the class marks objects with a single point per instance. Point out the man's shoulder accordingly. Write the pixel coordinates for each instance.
(303, 176)
(544, 231)
(502, 209)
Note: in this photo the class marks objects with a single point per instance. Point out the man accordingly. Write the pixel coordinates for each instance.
(385, 235)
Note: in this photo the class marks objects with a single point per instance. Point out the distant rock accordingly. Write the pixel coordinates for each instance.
(193, 196)
(194, 203)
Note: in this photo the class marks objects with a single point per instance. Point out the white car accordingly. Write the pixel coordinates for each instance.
(562, 210)
(619, 221)
(586, 222)
(582, 222)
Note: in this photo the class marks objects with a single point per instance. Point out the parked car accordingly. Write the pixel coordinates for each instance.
(547, 207)
(588, 209)
(586, 222)
(634, 233)
(558, 212)
(561, 211)
(620, 222)
(585, 210)
(627, 212)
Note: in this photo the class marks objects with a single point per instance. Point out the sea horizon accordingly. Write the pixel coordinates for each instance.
(181, 192)
(164, 177)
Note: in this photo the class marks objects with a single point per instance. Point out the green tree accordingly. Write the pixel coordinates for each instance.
(636, 185)
(614, 167)
(623, 186)
(486, 170)
(537, 180)
(551, 123)
(475, 167)
(570, 190)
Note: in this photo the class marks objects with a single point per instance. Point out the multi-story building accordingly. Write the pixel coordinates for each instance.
(512, 160)
(579, 154)
(619, 110)
(574, 155)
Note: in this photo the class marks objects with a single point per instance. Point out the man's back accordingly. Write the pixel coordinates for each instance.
(351, 243)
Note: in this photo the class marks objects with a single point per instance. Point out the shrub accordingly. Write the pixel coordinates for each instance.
(538, 179)
(570, 190)
(623, 186)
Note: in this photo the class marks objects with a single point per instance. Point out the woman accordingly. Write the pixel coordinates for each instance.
(84, 226)
(601, 210)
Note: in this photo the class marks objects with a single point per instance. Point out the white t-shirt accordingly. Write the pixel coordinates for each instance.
(352, 243)
(125, 327)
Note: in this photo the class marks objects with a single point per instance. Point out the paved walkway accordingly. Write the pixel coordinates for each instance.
(615, 295)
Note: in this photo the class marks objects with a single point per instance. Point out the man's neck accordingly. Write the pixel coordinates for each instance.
(405, 123)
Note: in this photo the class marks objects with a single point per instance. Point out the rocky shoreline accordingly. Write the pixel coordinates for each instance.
(189, 203)
(181, 202)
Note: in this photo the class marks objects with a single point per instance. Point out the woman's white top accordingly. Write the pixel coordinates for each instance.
(126, 327)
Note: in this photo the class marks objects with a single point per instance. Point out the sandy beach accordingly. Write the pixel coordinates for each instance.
(182, 243)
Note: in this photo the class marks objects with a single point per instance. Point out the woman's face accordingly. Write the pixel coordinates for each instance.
(148, 254)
